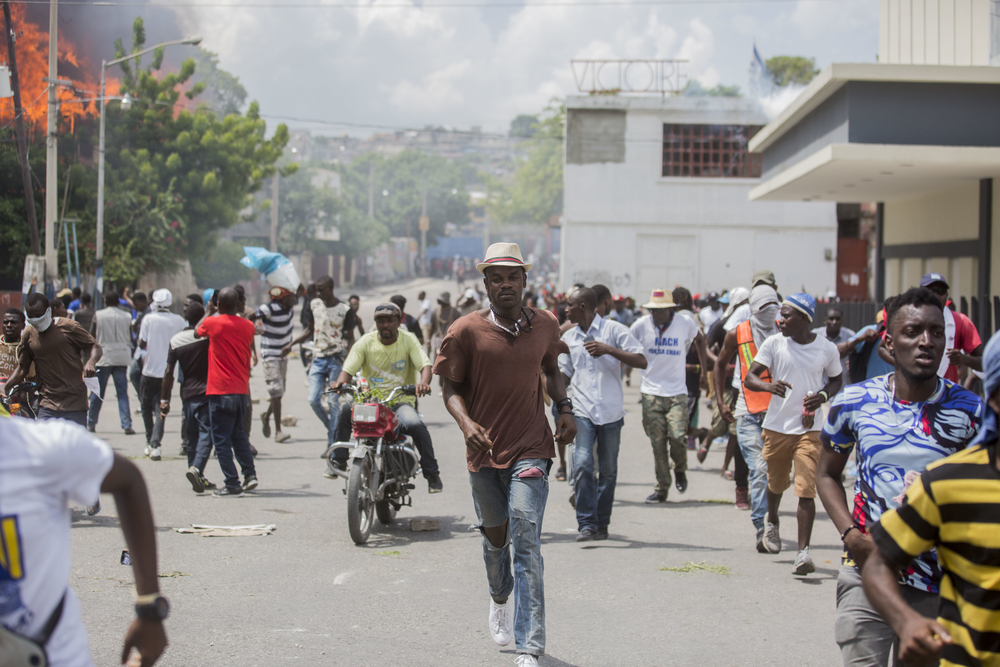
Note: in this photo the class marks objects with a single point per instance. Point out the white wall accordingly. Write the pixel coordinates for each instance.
(626, 226)
(935, 32)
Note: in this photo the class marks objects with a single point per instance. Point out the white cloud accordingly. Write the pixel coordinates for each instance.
(436, 92)
(406, 67)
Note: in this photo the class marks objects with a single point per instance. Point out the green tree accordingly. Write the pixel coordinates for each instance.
(223, 91)
(694, 89)
(791, 70)
(211, 165)
(221, 266)
(536, 192)
(523, 126)
(399, 184)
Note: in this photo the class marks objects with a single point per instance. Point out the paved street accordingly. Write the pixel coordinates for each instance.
(307, 595)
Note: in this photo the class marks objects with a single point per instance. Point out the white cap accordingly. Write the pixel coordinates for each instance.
(163, 298)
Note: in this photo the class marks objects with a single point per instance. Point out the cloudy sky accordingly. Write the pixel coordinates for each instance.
(360, 61)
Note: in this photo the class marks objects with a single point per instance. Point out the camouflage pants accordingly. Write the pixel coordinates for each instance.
(665, 420)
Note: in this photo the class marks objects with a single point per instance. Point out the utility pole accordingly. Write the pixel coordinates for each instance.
(22, 142)
(274, 212)
(424, 226)
(51, 150)
(371, 189)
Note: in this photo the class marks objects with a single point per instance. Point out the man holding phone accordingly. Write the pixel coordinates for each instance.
(598, 348)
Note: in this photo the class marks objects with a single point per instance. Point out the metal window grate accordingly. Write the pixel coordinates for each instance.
(709, 151)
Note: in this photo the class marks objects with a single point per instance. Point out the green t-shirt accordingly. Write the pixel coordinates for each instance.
(388, 366)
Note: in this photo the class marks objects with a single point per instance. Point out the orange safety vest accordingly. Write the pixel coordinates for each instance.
(746, 350)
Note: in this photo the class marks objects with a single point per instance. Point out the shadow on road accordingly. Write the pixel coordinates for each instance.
(618, 542)
(398, 533)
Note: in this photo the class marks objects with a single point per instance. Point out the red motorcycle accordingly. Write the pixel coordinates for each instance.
(383, 461)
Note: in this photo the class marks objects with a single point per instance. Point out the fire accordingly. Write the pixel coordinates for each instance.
(32, 47)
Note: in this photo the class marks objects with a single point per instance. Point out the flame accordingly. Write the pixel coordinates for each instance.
(32, 50)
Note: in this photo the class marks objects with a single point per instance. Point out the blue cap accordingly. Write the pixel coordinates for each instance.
(724, 298)
(207, 295)
(931, 278)
(804, 303)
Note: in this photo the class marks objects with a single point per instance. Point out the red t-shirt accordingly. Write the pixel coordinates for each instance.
(966, 339)
(230, 342)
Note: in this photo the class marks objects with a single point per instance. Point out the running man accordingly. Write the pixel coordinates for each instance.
(666, 340)
(276, 322)
(899, 424)
(799, 362)
(953, 507)
(489, 362)
(598, 350)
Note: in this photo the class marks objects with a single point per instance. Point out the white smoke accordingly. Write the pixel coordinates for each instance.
(777, 99)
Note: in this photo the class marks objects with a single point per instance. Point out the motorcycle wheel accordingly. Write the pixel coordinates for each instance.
(360, 506)
(385, 511)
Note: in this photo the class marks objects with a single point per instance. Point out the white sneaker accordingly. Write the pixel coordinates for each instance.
(146, 451)
(526, 660)
(154, 453)
(804, 563)
(501, 624)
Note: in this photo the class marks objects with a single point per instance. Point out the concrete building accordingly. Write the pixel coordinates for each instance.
(917, 132)
(657, 195)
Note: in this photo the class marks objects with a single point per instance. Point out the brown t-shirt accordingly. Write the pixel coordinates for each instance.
(58, 367)
(497, 375)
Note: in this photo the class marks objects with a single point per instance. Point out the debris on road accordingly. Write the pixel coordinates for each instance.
(421, 525)
(229, 531)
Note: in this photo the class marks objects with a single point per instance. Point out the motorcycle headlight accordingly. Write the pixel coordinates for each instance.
(365, 413)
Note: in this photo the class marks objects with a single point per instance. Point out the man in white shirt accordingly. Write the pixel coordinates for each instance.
(799, 362)
(113, 331)
(424, 319)
(711, 313)
(44, 465)
(666, 340)
(155, 332)
(598, 348)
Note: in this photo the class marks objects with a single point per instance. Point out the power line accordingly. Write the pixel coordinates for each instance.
(431, 5)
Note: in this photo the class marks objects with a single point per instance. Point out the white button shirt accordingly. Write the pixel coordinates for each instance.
(597, 381)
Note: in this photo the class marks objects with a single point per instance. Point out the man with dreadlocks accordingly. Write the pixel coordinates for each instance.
(489, 363)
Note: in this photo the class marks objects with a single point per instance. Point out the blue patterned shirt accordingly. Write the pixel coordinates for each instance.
(898, 440)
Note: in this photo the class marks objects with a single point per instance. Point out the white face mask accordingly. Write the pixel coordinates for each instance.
(766, 318)
(42, 323)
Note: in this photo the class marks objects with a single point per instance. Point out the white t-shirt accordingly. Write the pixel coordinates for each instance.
(665, 352)
(806, 368)
(43, 466)
(709, 317)
(157, 329)
(739, 316)
(425, 313)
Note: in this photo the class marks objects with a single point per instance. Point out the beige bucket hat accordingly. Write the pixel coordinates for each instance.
(660, 298)
(503, 254)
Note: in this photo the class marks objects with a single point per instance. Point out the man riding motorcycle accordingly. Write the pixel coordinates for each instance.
(390, 358)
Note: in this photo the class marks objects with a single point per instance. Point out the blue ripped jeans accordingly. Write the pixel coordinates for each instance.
(499, 495)
(749, 435)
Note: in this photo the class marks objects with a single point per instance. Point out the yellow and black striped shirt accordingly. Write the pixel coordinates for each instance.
(955, 506)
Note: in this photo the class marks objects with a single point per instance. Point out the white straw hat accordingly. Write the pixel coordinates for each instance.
(503, 254)
(660, 298)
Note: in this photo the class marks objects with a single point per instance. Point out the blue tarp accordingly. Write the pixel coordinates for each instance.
(463, 246)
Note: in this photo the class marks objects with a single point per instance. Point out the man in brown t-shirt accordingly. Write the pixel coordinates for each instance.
(55, 346)
(489, 363)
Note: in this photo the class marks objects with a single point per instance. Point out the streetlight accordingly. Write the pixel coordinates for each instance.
(126, 105)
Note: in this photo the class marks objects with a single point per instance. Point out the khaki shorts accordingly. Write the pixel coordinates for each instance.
(781, 450)
(275, 372)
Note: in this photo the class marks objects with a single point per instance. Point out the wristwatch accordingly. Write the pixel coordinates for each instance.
(156, 609)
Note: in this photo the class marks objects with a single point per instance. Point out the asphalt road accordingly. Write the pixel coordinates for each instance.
(307, 595)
